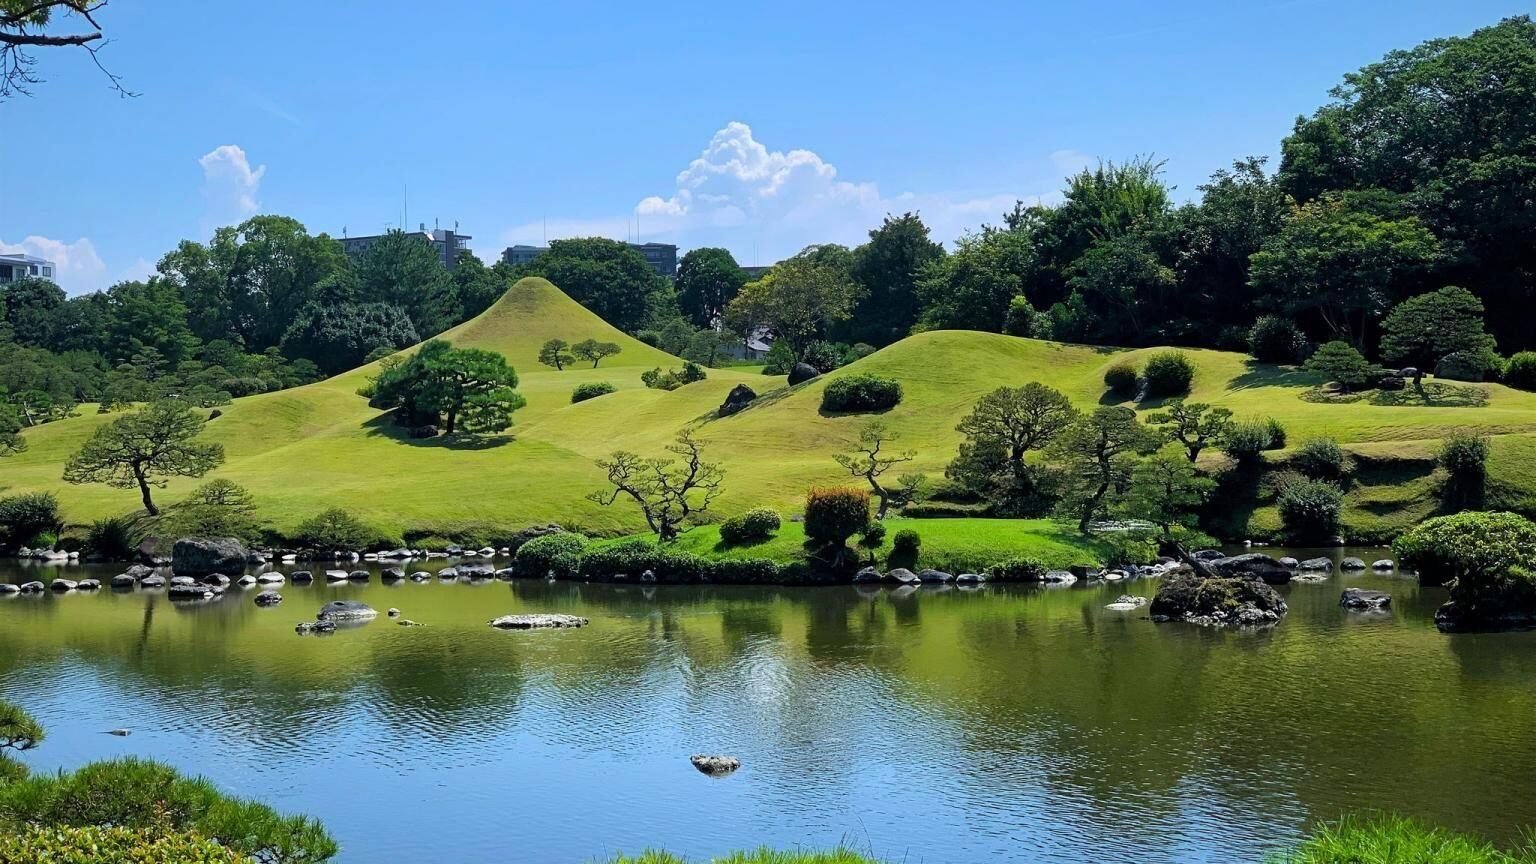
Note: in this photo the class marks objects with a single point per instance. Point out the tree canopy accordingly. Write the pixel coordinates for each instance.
(145, 449)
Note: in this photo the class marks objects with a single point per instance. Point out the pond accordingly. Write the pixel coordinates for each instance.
(1006, 723)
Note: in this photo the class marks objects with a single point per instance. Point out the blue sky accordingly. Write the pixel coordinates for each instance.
(757, 127)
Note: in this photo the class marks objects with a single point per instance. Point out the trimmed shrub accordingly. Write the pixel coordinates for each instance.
(1520, 371)
(115, 537)
(553, 553)
(1016, 570)
(746, 571)
(113, 845)
(858, 352)
(1323, 459)
(672, 379)
(1272, 339)
(1464, 459)
(632, 558)
(861, 393)
(906, 542)
(590, 390)
(824, 356)
(336, 530)
(1121, 379)
(1245, 440)
(1480, 553)
(1168, 373)
(873, 535)
(1277, 436)
(832, 515)
(757, 524)
(1309, 509)
(1471, 366)
(1339, 361)
(27, 519)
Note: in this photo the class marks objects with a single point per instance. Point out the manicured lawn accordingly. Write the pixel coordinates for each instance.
(953, 545)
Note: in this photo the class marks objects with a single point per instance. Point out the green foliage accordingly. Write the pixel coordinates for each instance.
(1131, 547)
(670, 494)
(1121, 379)
(834, 514)
(558, 553)
(1468, 366)
(555, 353)
(861, 393)
(671, 379)
(24, 517)
(1424, 328)
(1463, 459)
(1168, 373)
(780, 359)
(144, 449)
(1323, 459)
(115, 538)
(1273, 339)
(1276, 432)
(337, 530)
(1482, 555)
(707, 280)
(1166, 490)
(590, 390)
(1016, 570)
(756, 524)
(338, 337)
(113, 845)
(631, 558)
(906, 542)
(1309, 509)
(1195, 425)
(1339, 361)
(1097, 453)
(406, 271)
(856, 352)
(18, 729)
(824, 356)
(606, 276)
(974, 287)
(886, 270)
(134, 793)
(1391, 839)
(465, 388)
(1520, 371)
(796, 301)
(594, 351)
(218, 508)
(1245, 440)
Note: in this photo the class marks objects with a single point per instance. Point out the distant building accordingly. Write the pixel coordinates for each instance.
(15, 266)
(661, 256)
(447, 243)
(755, 272)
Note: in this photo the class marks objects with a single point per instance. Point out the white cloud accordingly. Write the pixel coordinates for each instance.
(767, 204)
(230, 184)
(77, 266)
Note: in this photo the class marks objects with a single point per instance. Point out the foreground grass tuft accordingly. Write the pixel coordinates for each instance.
(1398, 840)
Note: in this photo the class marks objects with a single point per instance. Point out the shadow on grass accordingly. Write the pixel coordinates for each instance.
(1436, 395)
(1258, 374)
(762, 401)
(384, 426)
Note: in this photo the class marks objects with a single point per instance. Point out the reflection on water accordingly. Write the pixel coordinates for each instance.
(1007, 723)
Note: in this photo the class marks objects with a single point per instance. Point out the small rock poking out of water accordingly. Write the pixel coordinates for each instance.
(1127, 603)
(346, 610)
(1363, 600)
(268, 598)
(406, 622)
(121, 733)
(314, 627)
(1383, 565)
(537, 622)
(715, 766)
(393, 612)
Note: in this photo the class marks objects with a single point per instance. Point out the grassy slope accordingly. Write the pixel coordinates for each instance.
(312, 447)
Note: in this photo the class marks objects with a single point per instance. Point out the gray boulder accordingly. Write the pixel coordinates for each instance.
(123, 580)
(1352, 565)
(935, 576)
(300, 577)
(902, 576)
(476, 571)
(88, 585)
(139, 571)
(420, 576)
(736, 401)
(1059, 577)
(1127, 603)
(1317, 564)
(1252, 565)
(59, 586)
(1209, 554)
(153, 580)
(191, 592)
(1383, 564)
(268, 598)
(1290, 562)
(1201, 599)
(200, 556)
(335, 575)
(346, 610)
(7, 589)
(358, 576)
(315, 627)
(270, 578)
(537, 622)
(715, 766)
(391, 574)
(801, 373)
(33, 587)
(866, 575)
(1362, 600)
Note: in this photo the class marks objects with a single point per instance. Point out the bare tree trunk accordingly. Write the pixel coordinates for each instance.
(149, 504)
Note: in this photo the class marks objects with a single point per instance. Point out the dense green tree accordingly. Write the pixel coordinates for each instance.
(340, 337)
(144, 449)
(477, 286)
(465, 388)
(606, 276)
(672, 491)
(406, 271)
(148, 315)
(1002, 429)
(1126, 278)
(1340, 259)
(886, 269)
(870, 458)
(1194, 425)
(31, 308)
(1421, 330)
(594, 351)
(1339, 361)
(1166, 490)
(708, 279)
(555, 353)
(972, 288)
(1099, 452)
(796, 302)
(1238, 210)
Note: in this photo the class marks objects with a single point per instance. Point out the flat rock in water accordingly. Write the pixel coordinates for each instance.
(1128, 603)
(1322, 564)
(1363, 600)
(33, 587)
(1252, 565)
(867, 574)
(8, 588)
(1059, 577)
(1352, 564)
(268, 598)
(153, 580)
(346, 610)
(902, 576)
(715, 766)
(935, 576)
(1290, 562)
(335, 575)
(1310, 577)
(1384, 564)
(62, 585)
(315, 627)
(300, 577)
(537, 622)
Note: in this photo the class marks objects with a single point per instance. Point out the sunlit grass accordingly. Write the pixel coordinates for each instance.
(1398, 840)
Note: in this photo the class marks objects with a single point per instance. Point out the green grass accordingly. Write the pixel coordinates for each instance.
(303, 450)
(759, 856)
(1397, 840)
(952, 545)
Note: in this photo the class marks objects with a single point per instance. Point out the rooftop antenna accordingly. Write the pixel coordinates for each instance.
(546, 229)
(343, 231)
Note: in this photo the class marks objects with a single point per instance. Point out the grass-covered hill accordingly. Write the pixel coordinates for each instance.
(309, 448)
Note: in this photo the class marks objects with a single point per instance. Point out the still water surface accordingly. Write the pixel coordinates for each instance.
(1009, 723)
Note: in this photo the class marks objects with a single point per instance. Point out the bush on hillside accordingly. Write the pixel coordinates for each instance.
(672, 379)
(1121, 379)
(136, 793)
(1323, 459)
(218, 508)
(858, 352)
(1480, 553)
(852, 393)
(559, 554)
(115, 538)
(1309, 509)
(1016, 570)
(906, 542)
(1340, 362)
(1273, 339)
(1520, 371)
(25, 519)
(590, 390)
(113, 845)
(780, 359)
(824, 356)
(1245, 440)
(754, 525)
(1471, 366)
(832, 515)
(1276, 431)
(336, 530)
(631, 558)
(1463, 459)
(1168, 373)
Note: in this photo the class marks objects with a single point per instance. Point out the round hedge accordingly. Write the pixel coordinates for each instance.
(1168, 373)
(558, 553)
(852, 393)
(590, 390)
(756, 524)
(1121, 378)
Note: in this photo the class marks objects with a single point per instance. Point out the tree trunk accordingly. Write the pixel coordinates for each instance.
(149, 504)
(453, 416)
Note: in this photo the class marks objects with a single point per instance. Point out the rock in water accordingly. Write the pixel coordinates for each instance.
(268, 598)
(1362, 600)
(201, 556)
(1352, 564)
(1127, 603)
(1316, 564)
(935, 576)
(536, 622)
(1201, 599)
(1383, 565)
(867, 574)
(1252, 565)
(121, 733)
(737, 400)
(715, 766)
(346, 610)
(801, 373)
(315, 627)
(902, 576)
